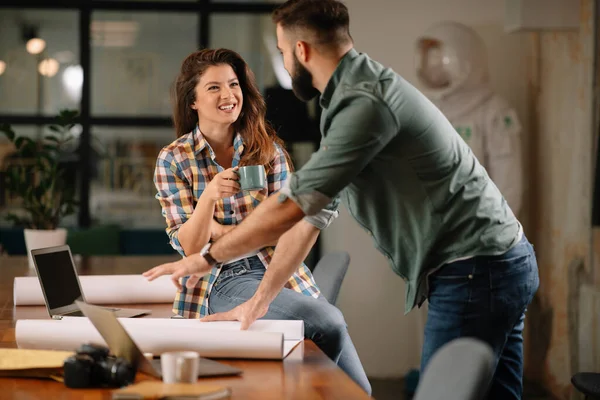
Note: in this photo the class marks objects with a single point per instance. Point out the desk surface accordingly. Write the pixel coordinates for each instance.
(306, 374)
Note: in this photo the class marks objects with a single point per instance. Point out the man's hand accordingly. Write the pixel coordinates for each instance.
(194, 265)
(246, 313)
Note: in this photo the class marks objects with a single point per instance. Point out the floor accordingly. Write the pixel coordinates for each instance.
(393, 389)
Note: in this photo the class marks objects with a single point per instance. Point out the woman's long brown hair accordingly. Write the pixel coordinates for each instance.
(259, 137)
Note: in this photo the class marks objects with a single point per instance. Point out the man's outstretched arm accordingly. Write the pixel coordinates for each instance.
(271, 219)
(263, 226)
(291, 251)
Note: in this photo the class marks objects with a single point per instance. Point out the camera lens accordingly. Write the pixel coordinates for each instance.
(117, 372)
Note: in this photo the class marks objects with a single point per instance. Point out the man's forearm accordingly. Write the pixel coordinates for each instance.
(292, 249)
(263, 226)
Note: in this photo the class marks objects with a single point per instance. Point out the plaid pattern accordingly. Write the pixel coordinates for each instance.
(183, 169)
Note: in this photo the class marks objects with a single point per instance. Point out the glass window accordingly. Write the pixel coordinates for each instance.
(135, 58)
(39, 61)
(122, 187)
(254, 39)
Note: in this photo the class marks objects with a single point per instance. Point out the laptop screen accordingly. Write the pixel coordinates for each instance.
(58, 278)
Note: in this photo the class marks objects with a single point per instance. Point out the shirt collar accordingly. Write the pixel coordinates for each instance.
(335, 79)
(200, 143)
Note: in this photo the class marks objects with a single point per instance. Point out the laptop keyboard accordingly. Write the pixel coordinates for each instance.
(80, 314)
(74, 314)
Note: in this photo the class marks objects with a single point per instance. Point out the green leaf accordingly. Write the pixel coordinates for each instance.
(7, 130)
(18, 220)
(14, 181)
(68, 114)
(25, 144)
(52, 138)
(50, 147)
(55, 128)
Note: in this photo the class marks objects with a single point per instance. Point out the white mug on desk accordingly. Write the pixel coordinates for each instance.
(180, 366)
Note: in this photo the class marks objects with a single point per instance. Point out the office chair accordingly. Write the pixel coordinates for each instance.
(587, 383)
(329, 274)
(460, 370)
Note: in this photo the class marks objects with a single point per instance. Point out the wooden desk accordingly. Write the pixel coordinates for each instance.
(305, 374)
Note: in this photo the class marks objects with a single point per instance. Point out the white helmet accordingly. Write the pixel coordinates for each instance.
(449, 56)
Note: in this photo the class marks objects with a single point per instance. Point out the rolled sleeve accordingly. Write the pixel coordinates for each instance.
(174, 195)
(320, 218)
(325, 217)
(357, 133)
(175, 242)
(279, 183)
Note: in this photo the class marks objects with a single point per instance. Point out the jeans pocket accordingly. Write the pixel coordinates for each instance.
(510, 266)
(227, 272)
(515, 281)
(457, 270)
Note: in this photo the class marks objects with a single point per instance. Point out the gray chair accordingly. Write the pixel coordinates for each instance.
(329, 274)
(460, 370)
(587, 383)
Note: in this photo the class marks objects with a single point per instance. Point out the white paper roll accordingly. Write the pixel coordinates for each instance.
(291, 329)
(102, 289)
(157, 335)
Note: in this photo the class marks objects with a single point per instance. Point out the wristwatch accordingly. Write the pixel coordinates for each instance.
(205, 252)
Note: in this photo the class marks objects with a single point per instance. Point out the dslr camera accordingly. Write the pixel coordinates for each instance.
(93, 367)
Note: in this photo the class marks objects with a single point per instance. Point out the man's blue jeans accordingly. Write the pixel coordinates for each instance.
(323, 323)
(485, 297)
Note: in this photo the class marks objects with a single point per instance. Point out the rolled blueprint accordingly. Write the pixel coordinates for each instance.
(265, 340)
(102, 289)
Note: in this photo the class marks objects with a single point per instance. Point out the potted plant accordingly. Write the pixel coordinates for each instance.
(35, 176)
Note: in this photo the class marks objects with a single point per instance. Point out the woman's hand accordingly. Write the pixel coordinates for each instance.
(224, 184)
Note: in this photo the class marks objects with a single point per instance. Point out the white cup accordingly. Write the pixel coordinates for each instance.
(180, 366)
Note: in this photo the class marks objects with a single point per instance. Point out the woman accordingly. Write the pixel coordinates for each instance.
(219, 118)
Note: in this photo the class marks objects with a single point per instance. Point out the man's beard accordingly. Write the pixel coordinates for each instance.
(302, 82)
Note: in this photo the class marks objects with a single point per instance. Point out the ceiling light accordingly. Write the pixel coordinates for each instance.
(48, 67)
(35, 45)
(2, 67)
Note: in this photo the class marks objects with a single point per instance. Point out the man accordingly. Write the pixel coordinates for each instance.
(409, 179)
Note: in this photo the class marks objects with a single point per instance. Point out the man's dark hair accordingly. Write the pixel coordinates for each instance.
(326, 22)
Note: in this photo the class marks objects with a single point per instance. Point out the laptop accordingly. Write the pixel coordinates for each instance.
(60, 284)
(122, 345)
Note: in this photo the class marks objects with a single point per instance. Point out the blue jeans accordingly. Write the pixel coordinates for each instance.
(324, 324)
(485, 297)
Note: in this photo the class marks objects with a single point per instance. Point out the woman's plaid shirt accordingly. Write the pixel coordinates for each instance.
(183, 169)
